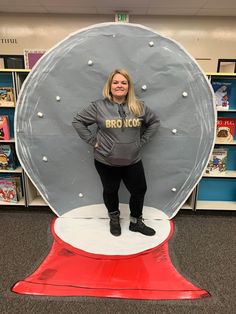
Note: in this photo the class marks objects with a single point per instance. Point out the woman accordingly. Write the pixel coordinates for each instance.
(125, 125)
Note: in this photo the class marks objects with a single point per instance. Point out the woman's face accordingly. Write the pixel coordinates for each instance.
(119, 86)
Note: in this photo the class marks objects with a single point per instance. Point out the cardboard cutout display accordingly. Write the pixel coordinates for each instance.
(86, 260)
(68, 78)
(72, 75)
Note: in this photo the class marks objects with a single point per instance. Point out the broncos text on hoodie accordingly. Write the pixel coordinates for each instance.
(120, 134)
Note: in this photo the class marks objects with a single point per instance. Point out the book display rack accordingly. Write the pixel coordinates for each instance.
(217, 189)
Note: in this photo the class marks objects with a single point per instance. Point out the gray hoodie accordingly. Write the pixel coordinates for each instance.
(120, 135)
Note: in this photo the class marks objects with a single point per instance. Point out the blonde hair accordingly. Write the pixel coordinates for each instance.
(135, 105)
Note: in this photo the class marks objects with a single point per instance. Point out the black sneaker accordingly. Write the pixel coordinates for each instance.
(139, 226)
(115, 228)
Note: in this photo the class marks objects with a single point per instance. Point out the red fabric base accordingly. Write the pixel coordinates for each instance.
(68, 271)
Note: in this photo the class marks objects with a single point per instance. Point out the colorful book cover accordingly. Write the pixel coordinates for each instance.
(17, 181)
(222, 91)
(218, 161)
(8, 191)
(7, 157)
(6, 97)
(225, 130)
(4, 128)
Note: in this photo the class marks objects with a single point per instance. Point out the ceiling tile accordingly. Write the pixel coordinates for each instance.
(22, 9)
(131, 11)
(121, 4)
(217, 12)
(176, 3)
(172, 11)
(60, 9)
(82, 3)
(219, 4)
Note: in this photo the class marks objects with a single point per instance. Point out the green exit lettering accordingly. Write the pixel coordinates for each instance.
(122, 17)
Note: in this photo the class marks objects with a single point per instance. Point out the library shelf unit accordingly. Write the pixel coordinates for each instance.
(13, 79)
(214, 192)
(217, 190)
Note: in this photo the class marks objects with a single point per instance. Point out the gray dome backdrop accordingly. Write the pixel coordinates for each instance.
(72, 74)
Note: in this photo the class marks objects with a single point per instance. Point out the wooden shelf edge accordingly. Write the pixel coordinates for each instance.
(225, 174)
(38, 201)
(17, 170)
(186, 206)
(19, 203)
(15, 70)
(215, 205)
(220, 74)
(12, 140)
(225, 143)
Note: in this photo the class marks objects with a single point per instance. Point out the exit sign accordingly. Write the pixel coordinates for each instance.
(122, 17)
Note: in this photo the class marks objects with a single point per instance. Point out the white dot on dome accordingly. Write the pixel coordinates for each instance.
(151, 43)
(40, 114)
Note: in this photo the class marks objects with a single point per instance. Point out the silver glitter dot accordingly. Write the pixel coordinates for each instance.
(174, 131)
(144, 87)
(90, 62)
(81, 194)
(185, 94)
(173, 190)
(45, 158)
(58, 98)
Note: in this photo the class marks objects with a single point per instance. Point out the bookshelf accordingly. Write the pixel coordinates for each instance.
(217, 190)
(214, 191)
(10, 84)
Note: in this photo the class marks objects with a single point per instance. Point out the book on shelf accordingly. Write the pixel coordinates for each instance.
(4, 128)
(225, 130)
(7, 157)
(222, 91)
(7, 97)
(218, 161)
(10, 189)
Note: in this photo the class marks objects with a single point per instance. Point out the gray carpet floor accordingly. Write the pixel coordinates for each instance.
(202, 249)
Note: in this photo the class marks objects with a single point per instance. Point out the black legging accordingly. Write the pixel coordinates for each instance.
(134, 179)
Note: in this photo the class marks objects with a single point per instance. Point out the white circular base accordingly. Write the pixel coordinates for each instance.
(87, 228)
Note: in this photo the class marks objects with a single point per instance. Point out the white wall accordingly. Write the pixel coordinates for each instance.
(207, 38)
